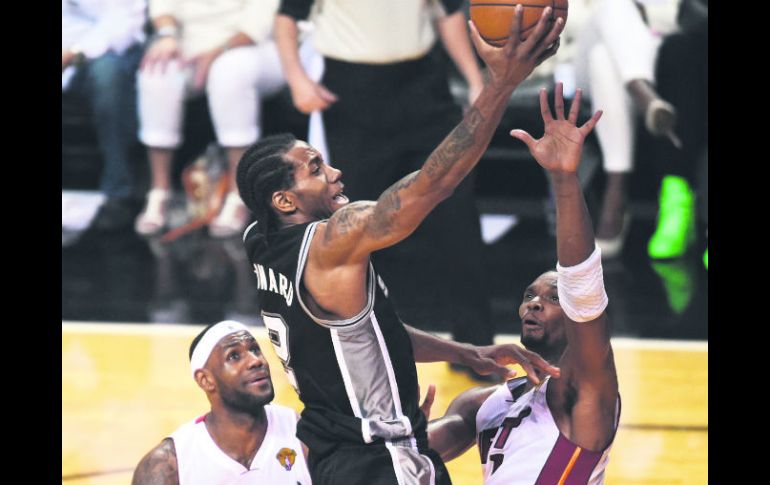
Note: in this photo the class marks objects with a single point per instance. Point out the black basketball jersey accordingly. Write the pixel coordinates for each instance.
(356, 377)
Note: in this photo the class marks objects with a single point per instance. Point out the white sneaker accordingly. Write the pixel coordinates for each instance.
(153, 218)
(231, 219)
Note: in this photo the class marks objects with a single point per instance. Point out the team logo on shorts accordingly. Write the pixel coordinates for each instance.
(286, 458)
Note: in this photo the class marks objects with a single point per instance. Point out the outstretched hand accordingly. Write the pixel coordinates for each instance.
(513, 62)
(560, 148)
(493, 359)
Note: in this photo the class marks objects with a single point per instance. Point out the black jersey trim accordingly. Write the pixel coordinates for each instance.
(336, 324)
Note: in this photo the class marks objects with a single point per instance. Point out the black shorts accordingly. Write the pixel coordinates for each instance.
(378, 464)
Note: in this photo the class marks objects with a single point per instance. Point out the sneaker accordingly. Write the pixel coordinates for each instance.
(153, 219)
(231, 219)
(676, 220)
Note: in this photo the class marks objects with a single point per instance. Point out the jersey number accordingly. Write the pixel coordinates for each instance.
(278, 332)
(486, 437)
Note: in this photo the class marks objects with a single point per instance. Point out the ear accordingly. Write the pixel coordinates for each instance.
(205, 380)
(284, 202)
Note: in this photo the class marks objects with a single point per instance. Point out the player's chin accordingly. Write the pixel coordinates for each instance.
(264, 392)
(529, 338)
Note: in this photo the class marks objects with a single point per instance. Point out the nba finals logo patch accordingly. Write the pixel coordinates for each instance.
(286, 458)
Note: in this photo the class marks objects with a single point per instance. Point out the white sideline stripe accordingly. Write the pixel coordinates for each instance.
(192, 330)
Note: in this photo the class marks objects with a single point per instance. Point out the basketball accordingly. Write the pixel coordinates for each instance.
(493, 18)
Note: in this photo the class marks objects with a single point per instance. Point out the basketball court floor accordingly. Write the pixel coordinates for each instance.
(126, 387)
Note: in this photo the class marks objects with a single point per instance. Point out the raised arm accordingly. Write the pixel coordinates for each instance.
(360, 228)
(587, 365)
(158, 467)
(559, 152)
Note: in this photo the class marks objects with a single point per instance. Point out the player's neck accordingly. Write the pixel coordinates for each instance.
(225, 418)
(238, 434)
(295, 219)
(552, 353)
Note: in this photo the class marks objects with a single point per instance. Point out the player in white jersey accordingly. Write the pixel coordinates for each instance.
(242, 439)
(560, 430)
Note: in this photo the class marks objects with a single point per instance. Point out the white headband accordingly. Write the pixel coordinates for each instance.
(210, 339)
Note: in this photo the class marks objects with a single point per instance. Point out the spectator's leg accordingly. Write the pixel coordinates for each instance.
(682, 73)
(238, 82)
(161, 104)
(110, 87)
(616, 139)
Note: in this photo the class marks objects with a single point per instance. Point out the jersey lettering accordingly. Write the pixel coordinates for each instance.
(266, 281)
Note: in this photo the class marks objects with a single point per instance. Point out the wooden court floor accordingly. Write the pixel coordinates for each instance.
(125, 387)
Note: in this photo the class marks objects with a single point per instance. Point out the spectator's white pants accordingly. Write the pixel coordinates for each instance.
(615, 48)
(237, 82)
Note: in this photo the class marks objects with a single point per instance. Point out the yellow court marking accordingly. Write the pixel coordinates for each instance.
(125, 387)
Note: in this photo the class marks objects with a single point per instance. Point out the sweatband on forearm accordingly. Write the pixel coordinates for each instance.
(581, 288)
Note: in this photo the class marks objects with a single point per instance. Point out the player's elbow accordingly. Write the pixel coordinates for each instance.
(444, 191)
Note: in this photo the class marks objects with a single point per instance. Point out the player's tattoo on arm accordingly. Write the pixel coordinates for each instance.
(452, 148)
(159, 467)
(346, 219)
(388, 204)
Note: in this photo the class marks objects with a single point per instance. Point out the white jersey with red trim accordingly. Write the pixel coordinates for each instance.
(520, 444)
(279, 459)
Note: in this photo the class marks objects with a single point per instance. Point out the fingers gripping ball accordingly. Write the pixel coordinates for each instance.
(493, 18)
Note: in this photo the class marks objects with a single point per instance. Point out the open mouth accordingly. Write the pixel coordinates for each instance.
(258, 380)
(341, 198)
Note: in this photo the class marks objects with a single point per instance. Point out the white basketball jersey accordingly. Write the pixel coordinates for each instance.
(279, 459)
(520, 443)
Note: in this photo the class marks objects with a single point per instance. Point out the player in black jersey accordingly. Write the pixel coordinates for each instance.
(327, 312)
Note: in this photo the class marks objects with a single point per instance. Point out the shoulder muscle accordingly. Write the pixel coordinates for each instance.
(158, 467)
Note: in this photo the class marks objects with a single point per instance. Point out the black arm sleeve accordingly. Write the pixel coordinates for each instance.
(297, 9)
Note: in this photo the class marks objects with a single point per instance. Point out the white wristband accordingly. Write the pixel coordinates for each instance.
(581, 289)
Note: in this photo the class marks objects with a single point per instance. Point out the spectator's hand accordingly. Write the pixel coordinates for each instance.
(559, 150)
(512, 63)
(428, 402)
(160, 53)
(493, 359)
(202, 64)
(309, 96)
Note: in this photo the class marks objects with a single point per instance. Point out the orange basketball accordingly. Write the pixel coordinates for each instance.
(493, 18)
